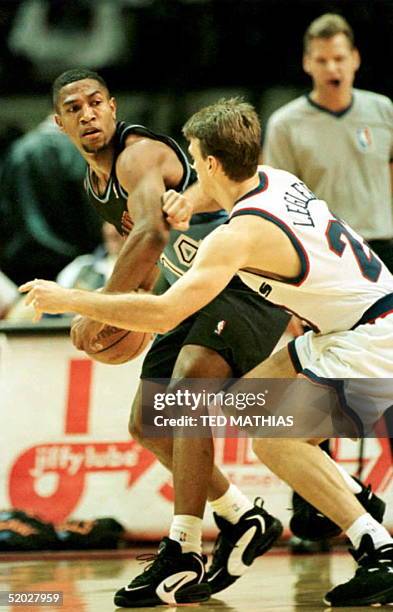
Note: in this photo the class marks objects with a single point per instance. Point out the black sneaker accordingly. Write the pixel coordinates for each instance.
(373, 582)
(310, 524)
(238, 545)
(173, 577)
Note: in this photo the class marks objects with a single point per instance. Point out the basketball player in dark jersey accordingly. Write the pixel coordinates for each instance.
(129, 169)
(224, 142)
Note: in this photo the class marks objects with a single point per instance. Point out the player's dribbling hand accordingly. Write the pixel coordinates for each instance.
(45, 296)
(178, 210)
(85, 333)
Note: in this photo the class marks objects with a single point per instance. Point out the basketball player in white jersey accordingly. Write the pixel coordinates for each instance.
(339, 141)
(284, 242)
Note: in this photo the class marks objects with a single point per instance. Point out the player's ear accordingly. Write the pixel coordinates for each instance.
(211, 164)
(58, 122)
(356, 58)
(113, 106)
(306, 63)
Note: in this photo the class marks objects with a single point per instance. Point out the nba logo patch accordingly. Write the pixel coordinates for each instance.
(363, 138)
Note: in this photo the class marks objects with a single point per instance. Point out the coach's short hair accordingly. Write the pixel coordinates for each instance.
(327, 26)
(70, 76)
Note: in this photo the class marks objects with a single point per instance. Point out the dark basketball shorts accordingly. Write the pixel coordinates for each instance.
(238, 324)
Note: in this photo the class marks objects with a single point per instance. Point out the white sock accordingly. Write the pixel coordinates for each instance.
(353, 486)
(232, 505)
(367, 524)
(187, 530)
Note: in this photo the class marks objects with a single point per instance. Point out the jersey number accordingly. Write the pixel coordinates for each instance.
(369, 264)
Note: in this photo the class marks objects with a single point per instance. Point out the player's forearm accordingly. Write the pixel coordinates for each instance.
(136, 260)
(129, 311)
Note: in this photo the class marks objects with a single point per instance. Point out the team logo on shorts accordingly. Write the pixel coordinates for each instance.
(364, 140)
(220, 327)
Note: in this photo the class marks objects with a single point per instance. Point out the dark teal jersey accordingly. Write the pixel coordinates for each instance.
(180, 252)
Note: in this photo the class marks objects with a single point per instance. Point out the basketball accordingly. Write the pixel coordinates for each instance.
(119, 345)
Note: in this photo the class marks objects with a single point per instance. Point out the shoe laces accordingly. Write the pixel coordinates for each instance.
(147, 558)
(155, 563)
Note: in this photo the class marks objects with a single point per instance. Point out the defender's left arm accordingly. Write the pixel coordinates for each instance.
(220, 256)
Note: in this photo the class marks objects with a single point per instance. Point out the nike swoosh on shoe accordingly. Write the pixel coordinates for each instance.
(127, 588)
(171, 587)
(166, 590)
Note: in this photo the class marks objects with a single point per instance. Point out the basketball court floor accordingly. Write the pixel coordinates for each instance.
(278, 581)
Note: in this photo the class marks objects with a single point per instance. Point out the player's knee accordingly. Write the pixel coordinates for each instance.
(155, 445)
(135, 429)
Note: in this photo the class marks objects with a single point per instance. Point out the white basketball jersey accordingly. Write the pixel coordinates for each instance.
(340, 276)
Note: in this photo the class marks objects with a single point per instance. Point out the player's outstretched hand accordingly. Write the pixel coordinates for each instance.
(46, 296)
(178, 210)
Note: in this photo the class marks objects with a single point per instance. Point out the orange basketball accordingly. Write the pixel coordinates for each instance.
(119, 345)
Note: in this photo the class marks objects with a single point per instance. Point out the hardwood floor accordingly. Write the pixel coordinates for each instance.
(277, 582)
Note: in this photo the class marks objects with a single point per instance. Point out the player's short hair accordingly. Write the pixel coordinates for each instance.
(229, 130)
(327, 26)
(70, 76)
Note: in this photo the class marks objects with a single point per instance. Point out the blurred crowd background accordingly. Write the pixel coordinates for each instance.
(160, 56)
(162, 59)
